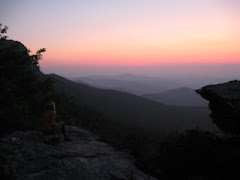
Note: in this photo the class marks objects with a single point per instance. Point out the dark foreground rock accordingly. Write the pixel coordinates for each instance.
(24, 155)
(225, 104)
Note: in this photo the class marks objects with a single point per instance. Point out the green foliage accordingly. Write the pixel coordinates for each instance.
(24, 89)
(3, 31)
(36, 57)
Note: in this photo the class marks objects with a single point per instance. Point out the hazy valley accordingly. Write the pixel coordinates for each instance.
(119, 90)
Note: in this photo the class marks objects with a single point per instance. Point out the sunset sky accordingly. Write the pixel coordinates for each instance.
(126, 32)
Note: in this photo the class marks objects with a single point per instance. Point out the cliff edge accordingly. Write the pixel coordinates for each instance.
(24, 155)
(224, 102)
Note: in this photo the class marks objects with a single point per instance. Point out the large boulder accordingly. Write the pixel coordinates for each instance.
(224, 102)
(24, 155)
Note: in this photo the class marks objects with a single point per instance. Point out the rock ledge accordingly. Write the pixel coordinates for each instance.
(24, 155)
(224, 102)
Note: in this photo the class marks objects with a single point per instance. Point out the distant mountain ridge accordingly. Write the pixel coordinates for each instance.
(130, 83)
(134, 110)
(142, 84)
(179, 97)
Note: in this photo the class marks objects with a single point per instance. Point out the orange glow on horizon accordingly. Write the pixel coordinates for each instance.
(116, 34)
(205, 43)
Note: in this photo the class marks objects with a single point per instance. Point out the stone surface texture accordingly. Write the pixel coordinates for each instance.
(24, 155)
(224, 102)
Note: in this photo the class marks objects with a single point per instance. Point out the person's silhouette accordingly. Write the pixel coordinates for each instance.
(51, 125)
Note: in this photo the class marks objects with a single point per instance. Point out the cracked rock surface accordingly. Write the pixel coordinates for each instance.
(224, 102)
(24, 155)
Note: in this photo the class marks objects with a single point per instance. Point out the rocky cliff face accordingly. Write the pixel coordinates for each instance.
(224, 102)
(24, 155)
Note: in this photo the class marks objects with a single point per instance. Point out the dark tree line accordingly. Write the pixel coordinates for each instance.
(24, 89)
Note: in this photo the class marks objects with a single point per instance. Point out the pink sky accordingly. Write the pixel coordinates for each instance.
(126, 33)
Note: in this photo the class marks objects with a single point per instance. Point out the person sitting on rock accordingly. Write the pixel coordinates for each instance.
(51, 125)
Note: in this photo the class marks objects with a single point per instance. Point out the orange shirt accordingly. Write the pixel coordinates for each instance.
(49, 119)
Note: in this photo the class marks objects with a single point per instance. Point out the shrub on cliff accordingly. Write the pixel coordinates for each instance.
(24, 89)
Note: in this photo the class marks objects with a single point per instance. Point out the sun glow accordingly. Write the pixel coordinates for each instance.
(128, 33)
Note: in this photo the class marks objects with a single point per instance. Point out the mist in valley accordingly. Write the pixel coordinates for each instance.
(148, 79)
(131, 85)
(169, 85)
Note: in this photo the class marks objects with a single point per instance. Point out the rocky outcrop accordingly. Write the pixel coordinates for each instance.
(20, 52)
(24, 155)
(224, 102)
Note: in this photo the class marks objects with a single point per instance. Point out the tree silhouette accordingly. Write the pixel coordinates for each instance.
(24, 89)
(36, 57)
(3, 31)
